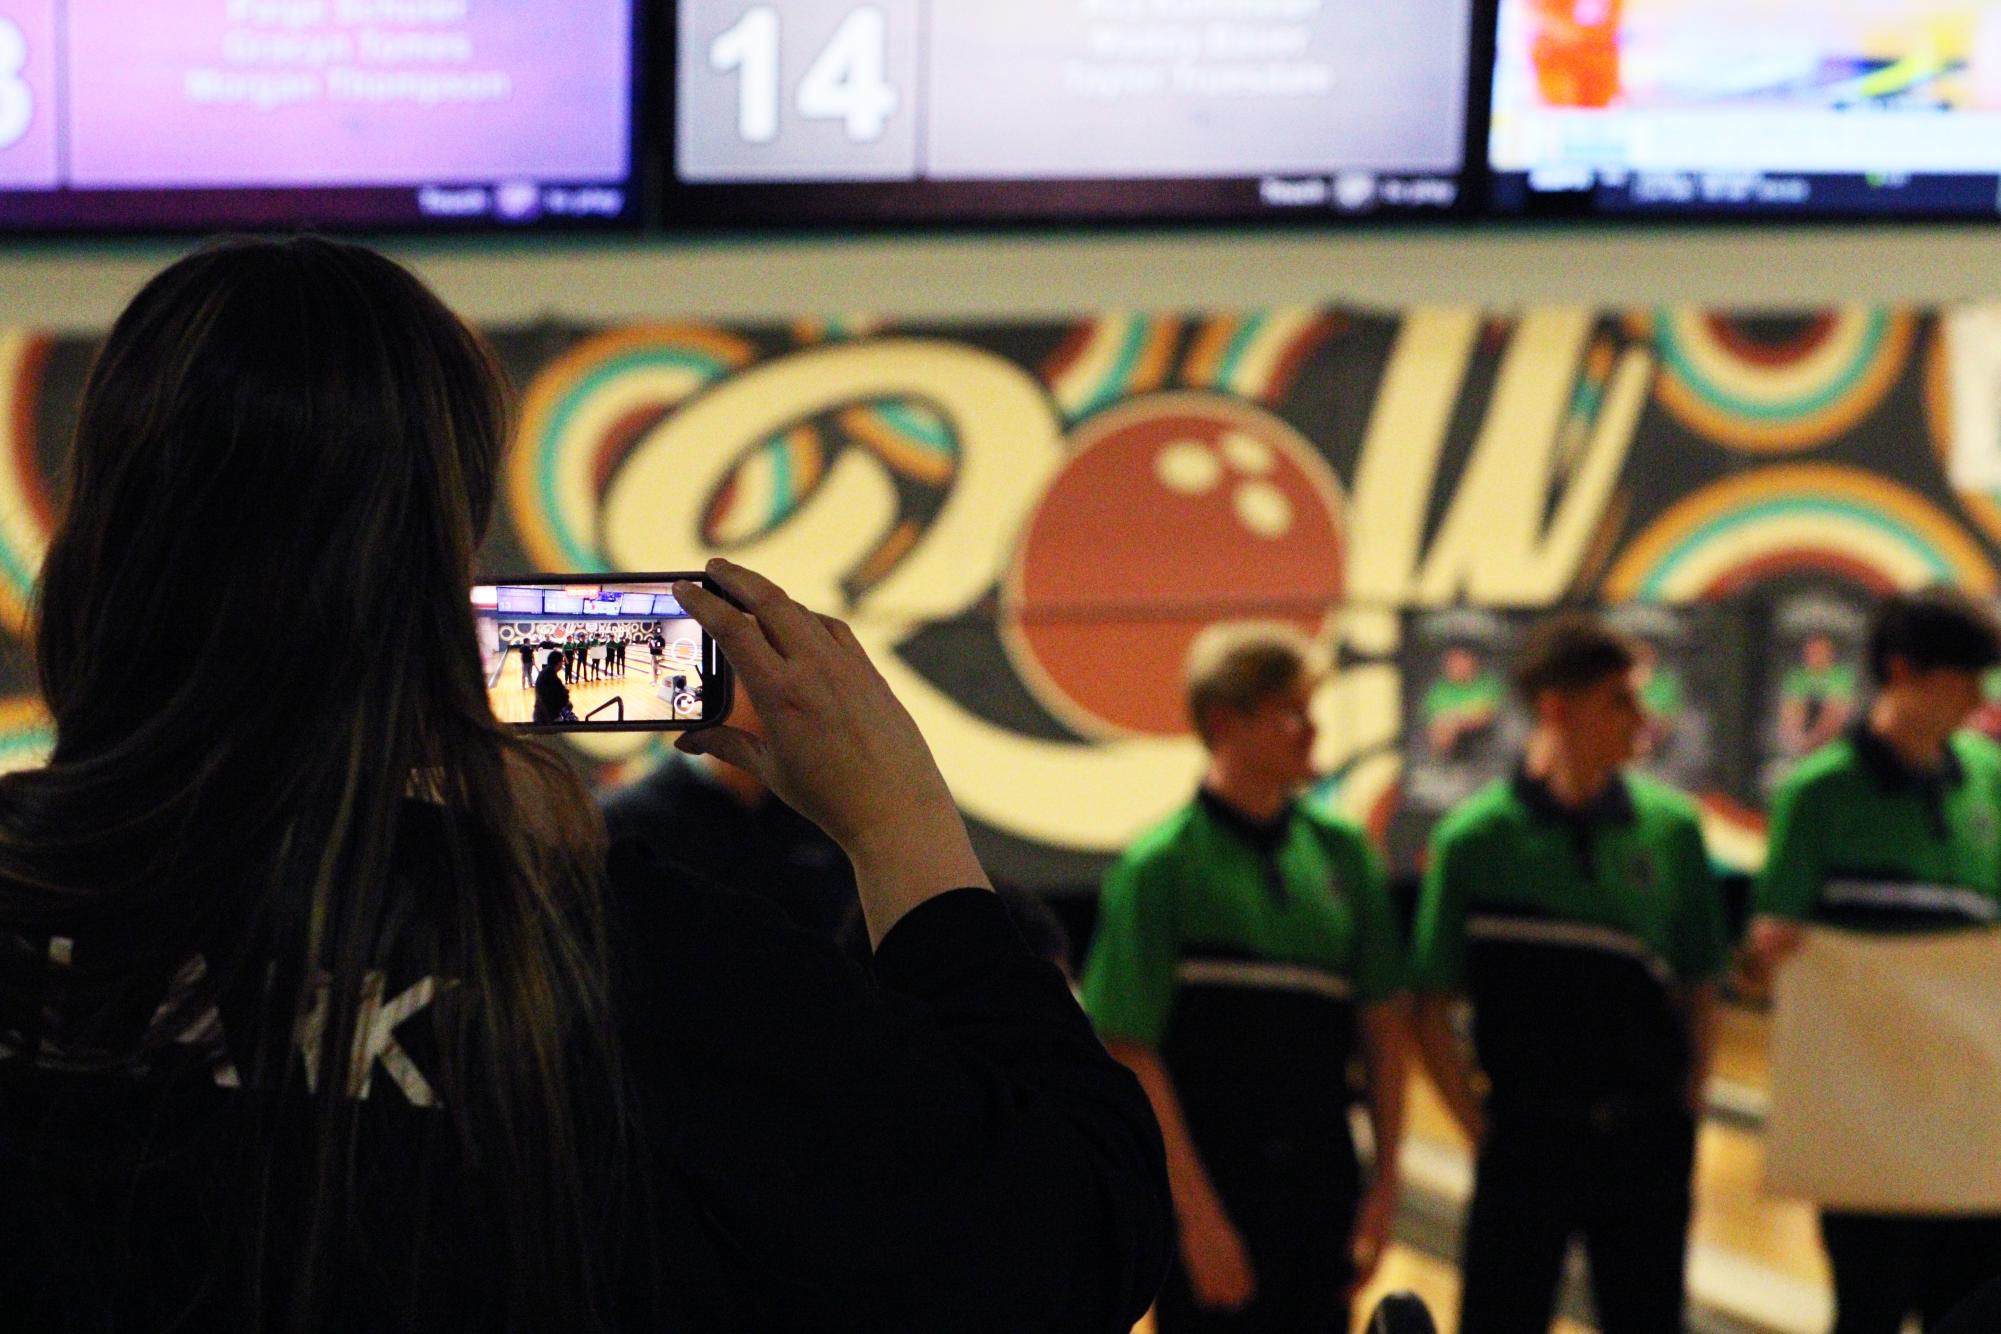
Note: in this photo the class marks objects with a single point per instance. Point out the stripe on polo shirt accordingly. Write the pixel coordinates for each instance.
(1567, 935)
(1258, 975)
(1912, 895)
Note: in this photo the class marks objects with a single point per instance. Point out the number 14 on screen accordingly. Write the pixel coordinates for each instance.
(846, 82)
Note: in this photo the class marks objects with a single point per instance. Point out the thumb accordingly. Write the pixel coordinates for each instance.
(731, 745)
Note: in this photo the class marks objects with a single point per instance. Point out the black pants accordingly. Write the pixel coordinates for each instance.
(1298, 1223)
(1887, 1266)
(1616, 1175)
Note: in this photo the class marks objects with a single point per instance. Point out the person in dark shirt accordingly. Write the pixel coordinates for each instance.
(1246, 955)
(552, 697)
(1572, 904)
(324, 1004)
(1889, 829)
(1037, 923)
(722, 822)
(527, 652)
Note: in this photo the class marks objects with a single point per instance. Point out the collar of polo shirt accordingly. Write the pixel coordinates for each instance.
(1613, 806)
(1888, 768)
(1264, 835)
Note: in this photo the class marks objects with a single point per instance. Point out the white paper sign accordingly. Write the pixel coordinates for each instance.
(1886, 1073)
(1973, 368)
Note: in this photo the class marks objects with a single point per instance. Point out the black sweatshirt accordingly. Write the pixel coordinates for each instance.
(943, 1146)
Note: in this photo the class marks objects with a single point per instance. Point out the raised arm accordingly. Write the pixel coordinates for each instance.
(838, 746)
(836, 1142)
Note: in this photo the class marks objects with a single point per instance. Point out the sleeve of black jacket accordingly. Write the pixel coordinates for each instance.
(1978, 1314)
(943, 1146)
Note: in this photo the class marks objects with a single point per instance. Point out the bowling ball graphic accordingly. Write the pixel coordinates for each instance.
(1173, 513)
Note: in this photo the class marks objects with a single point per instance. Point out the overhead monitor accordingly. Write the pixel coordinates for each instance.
(137, 115)
(837, 111)
(1812, 108)
(521, 601)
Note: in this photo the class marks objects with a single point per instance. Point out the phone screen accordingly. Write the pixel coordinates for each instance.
(588, 653)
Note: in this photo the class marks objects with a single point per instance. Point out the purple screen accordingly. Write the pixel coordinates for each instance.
(504, 110)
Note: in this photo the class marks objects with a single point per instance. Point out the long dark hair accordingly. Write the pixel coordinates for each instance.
(254, 634)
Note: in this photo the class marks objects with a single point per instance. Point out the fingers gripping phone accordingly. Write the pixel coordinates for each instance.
(599, 653)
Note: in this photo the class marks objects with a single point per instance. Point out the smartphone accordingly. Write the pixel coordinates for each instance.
(599, 653)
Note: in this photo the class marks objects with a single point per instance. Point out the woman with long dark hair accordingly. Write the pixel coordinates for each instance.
(321, 1003)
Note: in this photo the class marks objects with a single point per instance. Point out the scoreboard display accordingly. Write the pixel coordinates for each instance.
(143, 114)
(690, 115)
(1809, 108)
(933, 110)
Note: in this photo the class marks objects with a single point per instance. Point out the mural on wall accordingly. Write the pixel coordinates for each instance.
(1028, 524)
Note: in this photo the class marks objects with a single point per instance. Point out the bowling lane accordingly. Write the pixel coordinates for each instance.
(515, 703)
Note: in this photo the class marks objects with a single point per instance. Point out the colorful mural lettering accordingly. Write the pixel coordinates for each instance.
(1027, 524)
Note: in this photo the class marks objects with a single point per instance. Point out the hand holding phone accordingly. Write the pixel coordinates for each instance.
(838, 746)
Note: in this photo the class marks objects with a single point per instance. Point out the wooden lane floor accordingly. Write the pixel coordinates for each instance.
(1754, 1260)
(515, 703)
(1753, 1257)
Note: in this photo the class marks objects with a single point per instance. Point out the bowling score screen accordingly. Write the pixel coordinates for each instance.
(202, 114)
(927, 110)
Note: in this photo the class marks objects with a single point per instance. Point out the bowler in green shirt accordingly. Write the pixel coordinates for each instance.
(1246, 953)
(1891, 828)
(1573, 905)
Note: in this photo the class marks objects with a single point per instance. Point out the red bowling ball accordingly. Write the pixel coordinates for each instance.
(1174, 513)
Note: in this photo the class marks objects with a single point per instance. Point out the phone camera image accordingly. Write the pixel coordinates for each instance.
(588, 653)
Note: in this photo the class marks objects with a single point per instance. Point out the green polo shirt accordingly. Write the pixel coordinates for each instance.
(1634, 866)
(1859, 839)
(1196, 896)
(1454, 699)
(1571, 931)
(1242, 954)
